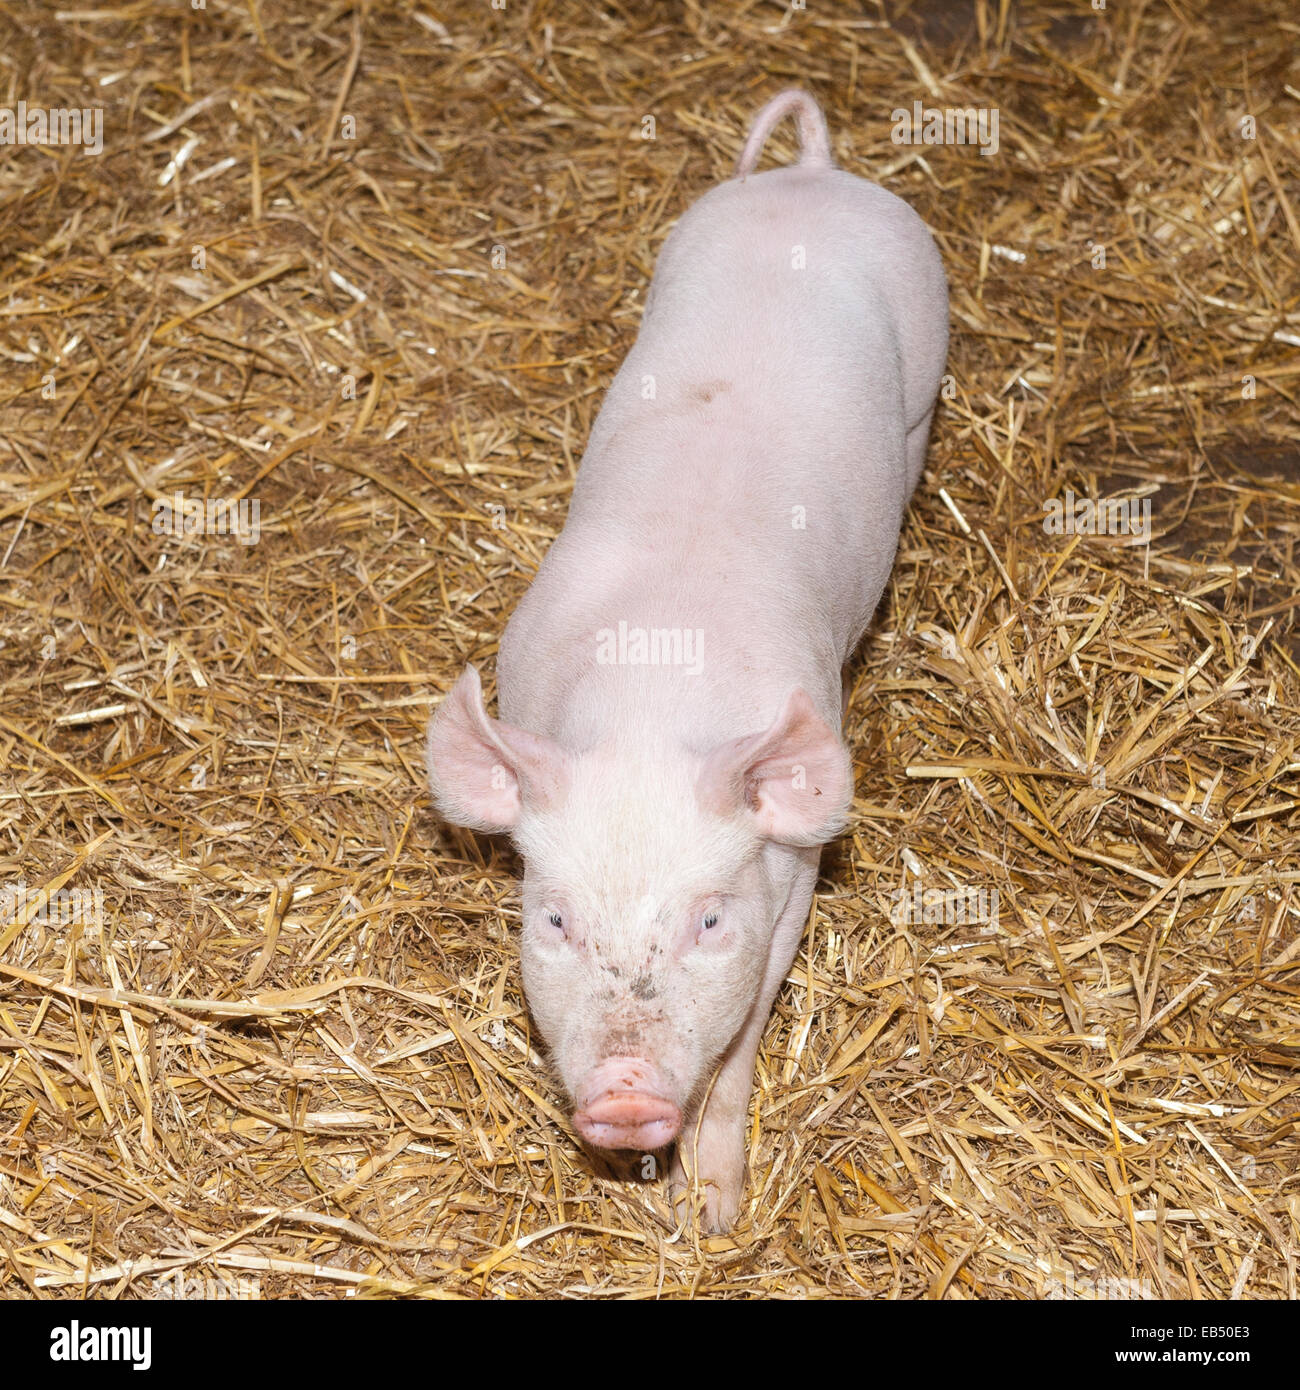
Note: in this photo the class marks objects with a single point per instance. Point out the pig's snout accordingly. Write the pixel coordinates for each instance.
(620, 1106)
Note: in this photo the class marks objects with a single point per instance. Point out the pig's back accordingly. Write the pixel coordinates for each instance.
(746, 474)
(809, 262)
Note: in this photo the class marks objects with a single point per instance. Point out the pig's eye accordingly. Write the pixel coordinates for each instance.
(556, 921)
(710, 920)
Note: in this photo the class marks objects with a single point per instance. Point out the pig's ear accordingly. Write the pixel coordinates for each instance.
(795, 778)
(482, 771)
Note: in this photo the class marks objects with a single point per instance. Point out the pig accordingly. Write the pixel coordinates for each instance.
(668, 759)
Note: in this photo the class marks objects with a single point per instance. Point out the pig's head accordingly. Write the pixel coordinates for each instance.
(653, 878)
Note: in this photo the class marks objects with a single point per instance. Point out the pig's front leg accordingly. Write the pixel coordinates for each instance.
(711, 1149)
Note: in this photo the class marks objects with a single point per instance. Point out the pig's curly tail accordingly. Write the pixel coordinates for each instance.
(814, 142)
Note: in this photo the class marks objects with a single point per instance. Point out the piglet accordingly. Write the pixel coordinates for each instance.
(668, 759)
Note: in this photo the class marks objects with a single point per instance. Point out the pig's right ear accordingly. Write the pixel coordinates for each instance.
(481, 771)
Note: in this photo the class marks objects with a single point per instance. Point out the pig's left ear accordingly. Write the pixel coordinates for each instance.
(795, 778)
(481, 771)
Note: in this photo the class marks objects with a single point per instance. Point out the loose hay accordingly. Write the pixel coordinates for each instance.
(372, 268)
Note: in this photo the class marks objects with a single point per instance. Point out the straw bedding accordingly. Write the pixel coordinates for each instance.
(372, 267)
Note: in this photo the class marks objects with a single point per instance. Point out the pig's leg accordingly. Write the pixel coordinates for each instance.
(917, 439)
(714, 1146)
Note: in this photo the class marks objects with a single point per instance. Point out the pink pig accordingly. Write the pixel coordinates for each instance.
(668, 760)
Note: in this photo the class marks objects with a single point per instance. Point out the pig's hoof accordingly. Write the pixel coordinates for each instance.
(712, 1200)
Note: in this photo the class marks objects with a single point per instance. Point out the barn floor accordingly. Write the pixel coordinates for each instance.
(372, 268)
